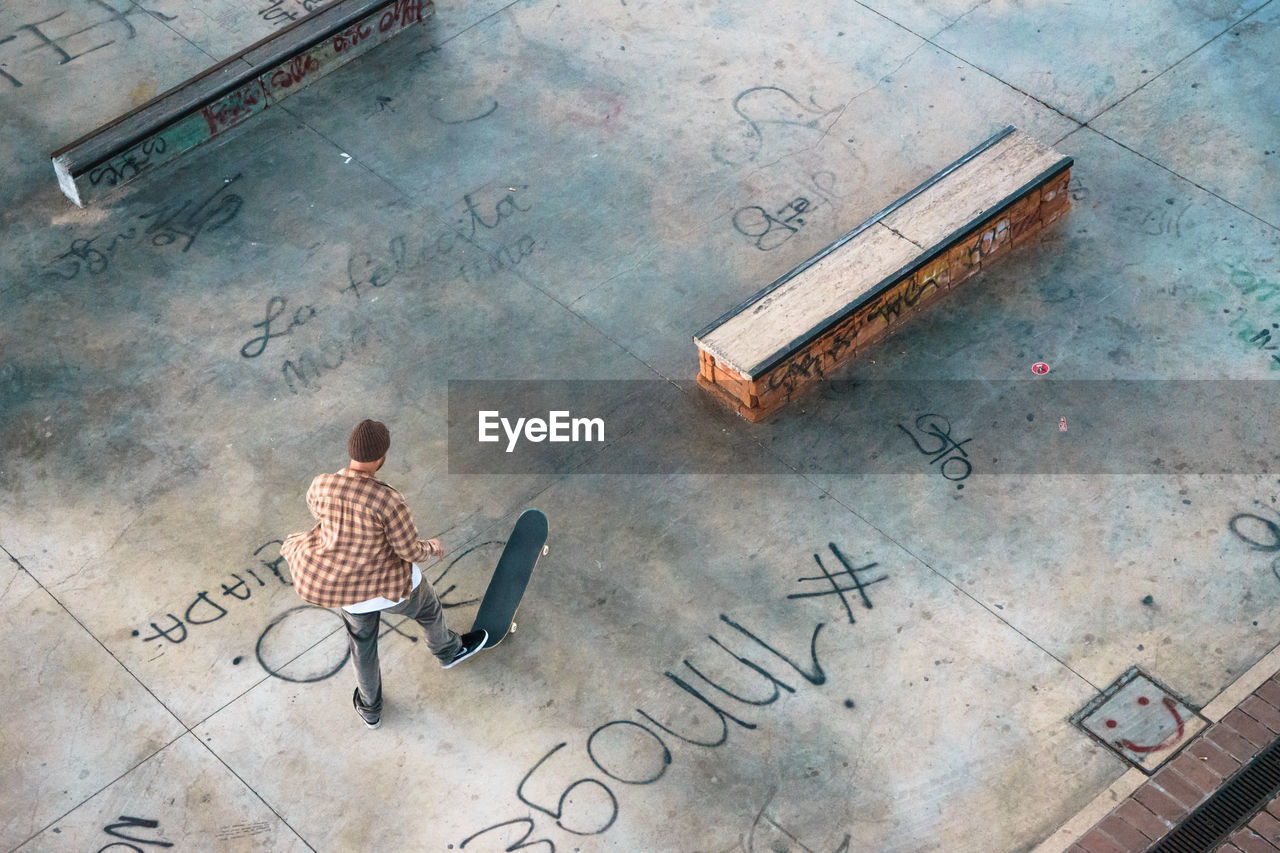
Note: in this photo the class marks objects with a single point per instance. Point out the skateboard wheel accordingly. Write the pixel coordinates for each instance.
(545, 549)
(513, 627)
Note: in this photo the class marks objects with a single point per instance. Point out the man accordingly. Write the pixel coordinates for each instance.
(362, 557)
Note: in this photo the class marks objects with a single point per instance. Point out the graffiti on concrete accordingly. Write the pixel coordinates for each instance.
(67, 36)
(637, 752)
(950, 452)
(131, 842)
(204, 610)
(770, 228)
(277, 12)
(1259, 532)
(166, 223)
(835, 581)
(480, 242)
(768, 113)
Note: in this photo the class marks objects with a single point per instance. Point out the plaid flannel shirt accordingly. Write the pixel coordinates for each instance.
(362, 546)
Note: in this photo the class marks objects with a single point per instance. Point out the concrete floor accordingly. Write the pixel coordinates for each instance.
(163, 684)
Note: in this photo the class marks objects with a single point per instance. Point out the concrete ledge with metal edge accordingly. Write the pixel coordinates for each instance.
(228, 94)
(795, 332)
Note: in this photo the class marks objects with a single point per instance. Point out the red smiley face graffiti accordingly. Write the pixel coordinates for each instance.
(1172, 706)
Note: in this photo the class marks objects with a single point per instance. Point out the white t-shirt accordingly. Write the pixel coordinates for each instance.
(381, 603)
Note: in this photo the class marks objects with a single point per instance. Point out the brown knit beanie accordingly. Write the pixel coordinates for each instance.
(369, 441)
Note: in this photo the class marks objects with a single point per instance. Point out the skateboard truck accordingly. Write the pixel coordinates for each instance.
(545, 549)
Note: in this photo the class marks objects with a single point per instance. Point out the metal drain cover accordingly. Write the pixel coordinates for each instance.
(1140, 720)
(1231, 806)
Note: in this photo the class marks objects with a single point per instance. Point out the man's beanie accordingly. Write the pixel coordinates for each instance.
(369, 441)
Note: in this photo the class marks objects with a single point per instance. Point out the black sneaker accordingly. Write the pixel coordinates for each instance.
(472, 642)
(371, 719)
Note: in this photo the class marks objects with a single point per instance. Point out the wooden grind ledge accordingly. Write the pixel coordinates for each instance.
(227, 94)
(763, 352)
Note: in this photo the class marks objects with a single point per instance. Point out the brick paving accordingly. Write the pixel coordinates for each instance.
(1182, 784)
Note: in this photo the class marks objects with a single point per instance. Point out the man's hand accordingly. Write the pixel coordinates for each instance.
(434, 548)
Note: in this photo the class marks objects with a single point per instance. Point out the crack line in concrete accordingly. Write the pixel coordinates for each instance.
(187, 730)
(254, 791)
(569, 308)
(4, 592)
(1087, 124)
(105, 551)
(80, 804)
(1183, 177)
(788, 833)
(1146, 83)
(64, 608)
(638, 259)
(182, 36)
(67, 610)
(404, 194)
(968, 62)
(954, 584)
(960, 18)
(904, 236)
(871, 88)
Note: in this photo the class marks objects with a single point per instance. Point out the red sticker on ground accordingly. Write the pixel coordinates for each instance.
(1040, 367)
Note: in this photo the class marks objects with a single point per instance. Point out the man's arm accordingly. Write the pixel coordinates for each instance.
(402, 536)
(312, 497)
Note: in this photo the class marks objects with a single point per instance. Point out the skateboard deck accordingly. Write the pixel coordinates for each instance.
(501, 600)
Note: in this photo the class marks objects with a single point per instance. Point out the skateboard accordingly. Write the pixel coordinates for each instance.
(501, 600)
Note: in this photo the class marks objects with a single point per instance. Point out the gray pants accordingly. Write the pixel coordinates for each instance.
(423, 606)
